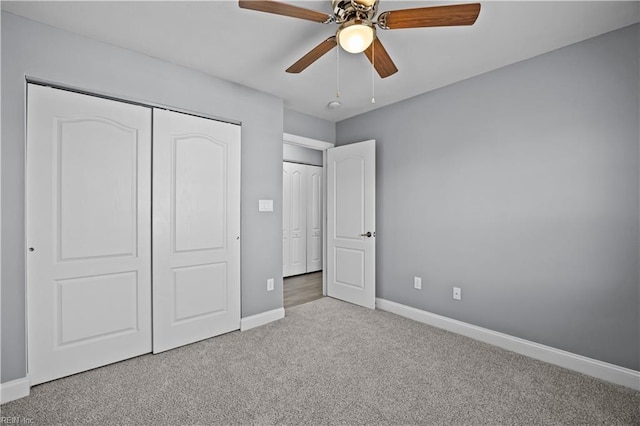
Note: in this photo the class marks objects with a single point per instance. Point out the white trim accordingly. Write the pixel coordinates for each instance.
(306, 142)
(324, 222)
(15, 389)
(589, 366)
(247, 323)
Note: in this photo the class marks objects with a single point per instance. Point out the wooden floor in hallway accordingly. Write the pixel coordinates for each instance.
(303, 288)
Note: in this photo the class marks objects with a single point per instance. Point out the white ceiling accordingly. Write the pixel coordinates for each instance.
(254, 48)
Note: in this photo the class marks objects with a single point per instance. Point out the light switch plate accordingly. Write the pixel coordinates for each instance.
(265, 205)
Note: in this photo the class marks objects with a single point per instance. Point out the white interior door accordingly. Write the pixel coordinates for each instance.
(196, 225)
(351, 248)
(296, 228)
(88, 232)
(286, 214)
(314, 218)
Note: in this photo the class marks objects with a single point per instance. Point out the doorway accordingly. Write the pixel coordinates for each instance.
(303, 219)
(348, 219)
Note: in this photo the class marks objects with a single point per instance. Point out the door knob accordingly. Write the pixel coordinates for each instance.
(368, 235)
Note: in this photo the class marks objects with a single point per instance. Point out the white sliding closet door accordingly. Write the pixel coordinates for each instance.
(88, 232)
(286, 215)
(294, 226)
(196, 224)
(314, 218)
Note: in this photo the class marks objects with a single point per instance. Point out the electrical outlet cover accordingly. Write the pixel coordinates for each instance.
(457, 293)
(417, 283)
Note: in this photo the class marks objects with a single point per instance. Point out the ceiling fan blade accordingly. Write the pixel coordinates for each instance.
(285, 9)
(436, 16)
(313, 55)
(378, 56)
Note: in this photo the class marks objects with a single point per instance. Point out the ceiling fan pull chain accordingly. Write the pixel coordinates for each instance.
(373, 68)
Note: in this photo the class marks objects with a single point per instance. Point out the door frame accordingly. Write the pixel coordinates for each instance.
(289, 139)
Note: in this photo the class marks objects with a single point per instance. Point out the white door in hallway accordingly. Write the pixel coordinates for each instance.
(88, 232)
(314, 218)
(294, 219)
(196, 226)
(351, 249)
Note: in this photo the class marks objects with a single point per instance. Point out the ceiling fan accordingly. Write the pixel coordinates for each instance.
(357, 31)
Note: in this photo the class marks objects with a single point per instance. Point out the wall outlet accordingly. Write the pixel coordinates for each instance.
(417, 283)
(270, 284)
(457, 293)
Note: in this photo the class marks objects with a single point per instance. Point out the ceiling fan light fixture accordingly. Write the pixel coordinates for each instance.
(355, 36)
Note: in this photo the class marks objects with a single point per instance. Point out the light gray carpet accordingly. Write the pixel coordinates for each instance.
(330, 362)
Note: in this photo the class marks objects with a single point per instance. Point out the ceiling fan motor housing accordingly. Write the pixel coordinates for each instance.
(347, 10)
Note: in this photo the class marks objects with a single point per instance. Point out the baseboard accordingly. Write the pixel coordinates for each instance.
(589, 366)
(257, 320)
(15, 389)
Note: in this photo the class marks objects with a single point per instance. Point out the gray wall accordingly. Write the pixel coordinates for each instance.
(521, 186)
(300, 154)
(40, 51)
(297, 123)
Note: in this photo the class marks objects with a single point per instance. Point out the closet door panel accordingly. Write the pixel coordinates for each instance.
(296, 228)
(196, 218)
(314, 218)
(88, 232)
(286, 218)
(199, 193)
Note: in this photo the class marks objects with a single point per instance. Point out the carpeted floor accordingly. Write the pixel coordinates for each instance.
(330, 362)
